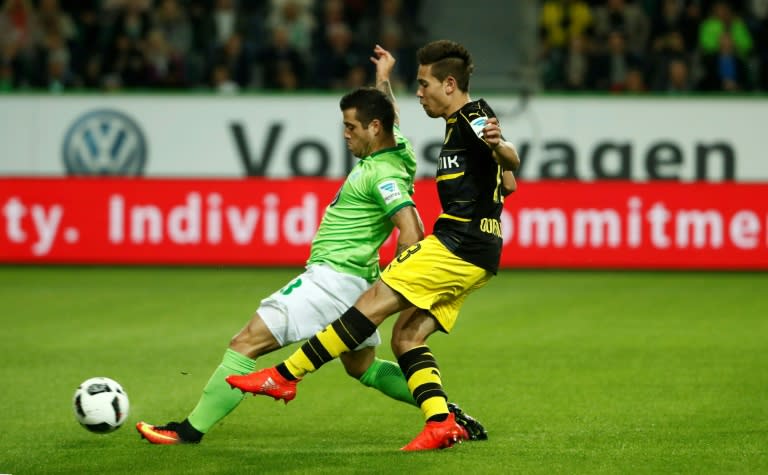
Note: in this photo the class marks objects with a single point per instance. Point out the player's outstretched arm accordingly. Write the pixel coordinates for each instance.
(385, 62)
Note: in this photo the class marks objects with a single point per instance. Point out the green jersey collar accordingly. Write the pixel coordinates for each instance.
(397, 147)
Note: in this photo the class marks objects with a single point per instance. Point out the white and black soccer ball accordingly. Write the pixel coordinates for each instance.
(100, 405)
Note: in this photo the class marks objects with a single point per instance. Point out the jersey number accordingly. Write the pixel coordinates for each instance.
(291, 287)
(408, 252)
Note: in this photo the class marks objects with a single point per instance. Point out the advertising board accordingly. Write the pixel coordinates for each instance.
(574, 138)
(259, 221)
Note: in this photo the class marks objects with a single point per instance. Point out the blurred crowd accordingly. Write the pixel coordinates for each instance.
(666, 46)
(662, 46)
(223, 45)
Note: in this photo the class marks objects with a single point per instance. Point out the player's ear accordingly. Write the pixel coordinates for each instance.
(376, 124)
(449, 85)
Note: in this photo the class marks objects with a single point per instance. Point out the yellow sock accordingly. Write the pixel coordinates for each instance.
(298, 364)
(423, 376)
(341, 336)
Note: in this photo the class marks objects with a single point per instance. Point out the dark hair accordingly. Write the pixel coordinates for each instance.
(370, 104)
(447, 58)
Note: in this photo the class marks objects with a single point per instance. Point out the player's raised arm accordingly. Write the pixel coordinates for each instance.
(385, 62)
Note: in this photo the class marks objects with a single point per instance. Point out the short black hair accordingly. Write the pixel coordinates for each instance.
(370, 104)
(447, 58)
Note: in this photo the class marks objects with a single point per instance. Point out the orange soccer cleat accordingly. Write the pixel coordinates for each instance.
(438, 435)
(168, 434)
(265, 381)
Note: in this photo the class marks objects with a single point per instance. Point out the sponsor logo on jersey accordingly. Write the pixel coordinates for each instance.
(448, 162)
(478, 124)
(389, 191)
(104, 143)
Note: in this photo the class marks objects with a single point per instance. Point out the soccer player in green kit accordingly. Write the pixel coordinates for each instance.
(374, 199)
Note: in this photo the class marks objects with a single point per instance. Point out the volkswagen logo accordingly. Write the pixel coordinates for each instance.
(104, 143)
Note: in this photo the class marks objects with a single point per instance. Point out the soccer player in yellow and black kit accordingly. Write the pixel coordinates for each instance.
(429, 281)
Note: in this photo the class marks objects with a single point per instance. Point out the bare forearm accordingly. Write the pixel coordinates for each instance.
(508, 183)
(406, 240)
(385, 62)
(410, 227)
(383, 85)
(505, 155)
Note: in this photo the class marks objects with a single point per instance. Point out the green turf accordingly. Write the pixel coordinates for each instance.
(572, 372)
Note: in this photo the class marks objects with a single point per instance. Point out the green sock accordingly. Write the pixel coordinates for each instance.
(387, 377)
(218, 399)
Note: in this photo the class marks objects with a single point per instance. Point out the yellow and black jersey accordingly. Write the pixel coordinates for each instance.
(468, 183)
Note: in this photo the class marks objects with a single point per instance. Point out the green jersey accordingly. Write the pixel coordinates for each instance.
(358, 220)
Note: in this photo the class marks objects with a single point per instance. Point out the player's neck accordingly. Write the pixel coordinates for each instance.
(384, 143)
(459, 101)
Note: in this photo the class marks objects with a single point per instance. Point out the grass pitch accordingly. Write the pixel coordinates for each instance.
(572, 372)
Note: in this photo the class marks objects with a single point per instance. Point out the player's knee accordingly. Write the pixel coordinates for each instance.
(406, 338)
(354, 371)
(254, 339)
(357, 362)
(244, 336)
(379, 302)
(402, 345)
(241, 342)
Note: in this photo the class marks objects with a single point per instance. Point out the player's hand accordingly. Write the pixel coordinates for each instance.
(492, 132)
(384, 62)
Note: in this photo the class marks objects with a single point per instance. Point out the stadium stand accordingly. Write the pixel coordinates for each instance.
(612, 46)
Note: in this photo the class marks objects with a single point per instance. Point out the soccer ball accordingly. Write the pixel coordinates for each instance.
(100, 405)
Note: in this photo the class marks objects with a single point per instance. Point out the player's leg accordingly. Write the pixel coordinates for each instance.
(342, 335)
(387, 377)
(349, 331)
(282, 318)
(409, 337)
(437, 282)
(217, 399)
(383, 375)
(354, 326)
(421, 370)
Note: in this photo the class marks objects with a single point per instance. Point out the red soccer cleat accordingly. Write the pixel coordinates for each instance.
(438, 435)
(265, 381)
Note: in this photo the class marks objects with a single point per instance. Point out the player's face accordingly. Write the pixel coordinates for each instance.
(358, 138)
(431, 92)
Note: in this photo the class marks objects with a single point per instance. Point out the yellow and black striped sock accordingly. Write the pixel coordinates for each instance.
(423, 375)
(340, 336)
